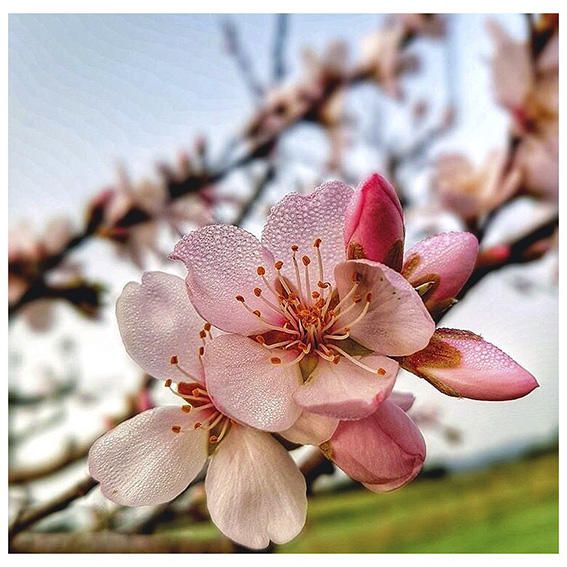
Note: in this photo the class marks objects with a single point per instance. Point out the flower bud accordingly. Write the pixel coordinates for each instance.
(374, 223)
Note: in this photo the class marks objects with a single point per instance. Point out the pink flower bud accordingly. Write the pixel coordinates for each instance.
(374, 223)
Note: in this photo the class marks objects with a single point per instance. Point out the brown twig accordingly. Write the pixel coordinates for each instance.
(31, 517)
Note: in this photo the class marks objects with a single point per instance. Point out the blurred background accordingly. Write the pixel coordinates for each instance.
(127, 131)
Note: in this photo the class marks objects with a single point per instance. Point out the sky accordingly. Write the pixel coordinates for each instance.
(88, 91)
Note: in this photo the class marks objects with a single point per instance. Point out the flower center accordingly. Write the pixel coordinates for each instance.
(314, 318)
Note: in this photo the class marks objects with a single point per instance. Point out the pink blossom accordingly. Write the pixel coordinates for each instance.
(470, 191)
(374, 223)
(441, 265)
(383, 451)
(462, 364)
(308, 329)
(254, 490)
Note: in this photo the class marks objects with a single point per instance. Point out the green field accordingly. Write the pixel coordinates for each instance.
(509, 508)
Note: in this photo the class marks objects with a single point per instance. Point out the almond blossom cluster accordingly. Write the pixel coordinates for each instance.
(300, 333)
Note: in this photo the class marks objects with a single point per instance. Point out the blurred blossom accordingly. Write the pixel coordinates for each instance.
(527, 85)
(470, 191)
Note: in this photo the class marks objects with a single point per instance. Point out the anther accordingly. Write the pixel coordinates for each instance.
(294, 247)
(257, 292)
(260, 270)
(197, 425)
(213, 439)
(278, 265)
(196, 392)
(173, 360)
(275, 360)
(201, 351)
(203, 334)
(207, 327)
(176, 429)
(186, 409)
(381, 372)
(317, 243)
(315, 295)
(168, 382)
(240, 298)
(257, 312)
(260, 339)
(306, 260)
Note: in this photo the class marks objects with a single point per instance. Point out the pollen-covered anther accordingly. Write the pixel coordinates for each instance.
(260, 339)
(207, 327)
(196, 392)
(197, 425)
(336, 359)
(203, 334)
(381, 372)
(317, 243)
(323, 285)
(257, 312)
(239, 298)
(306, 260)
(294, 247)
(315, 295)
(275, 360)
(168, 382)
(201, 351)
(261, 271)
(213, 439)
(174, 360)
(278, 265)
(176, 429)
(257, 292)
(186, 409)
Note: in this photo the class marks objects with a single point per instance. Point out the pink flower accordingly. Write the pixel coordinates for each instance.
(438, 268)
(441, 265)
(462, 364)
(254, 490)
(383, 451)
(375, 204)
(308, 329)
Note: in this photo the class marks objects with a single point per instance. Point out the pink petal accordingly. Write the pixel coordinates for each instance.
(311, 429)
(222, 263)
(512, 70)
(397, 322)
(346, 391)
(374, 224)
(301, 219)
(385, 450)
(448, 258)
(404, 400)
(460, 363)
(143, 462)
(255, 492)
(245, 385)
(157, 321)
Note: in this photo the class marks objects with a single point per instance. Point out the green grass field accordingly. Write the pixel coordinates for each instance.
(509, 508)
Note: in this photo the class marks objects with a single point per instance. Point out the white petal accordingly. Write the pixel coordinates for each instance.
(143, 462)
(255, 492)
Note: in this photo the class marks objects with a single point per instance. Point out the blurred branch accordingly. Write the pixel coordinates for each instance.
(109, 542)
(280, 41)
(260, 186)
(243, 61)
(31, 517)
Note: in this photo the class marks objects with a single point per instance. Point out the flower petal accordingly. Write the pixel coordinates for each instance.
(222, 263)
(245, 385)
(447, 258)
(157, 321)
(143, 462)
(404, 400)
(255, 492)
(301, 219)
(460, 363)
(374, 224)
(397, 322)
(311, 429)
(385, 450)
(346, 391)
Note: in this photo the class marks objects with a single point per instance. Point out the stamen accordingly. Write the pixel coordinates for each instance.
(186, 409)
(176, 429)
(306, 261)
(257, 313)
(356, 361)
(337, 337)
(360, 316)
(294, 249)
(275, 360)
(317, 246)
